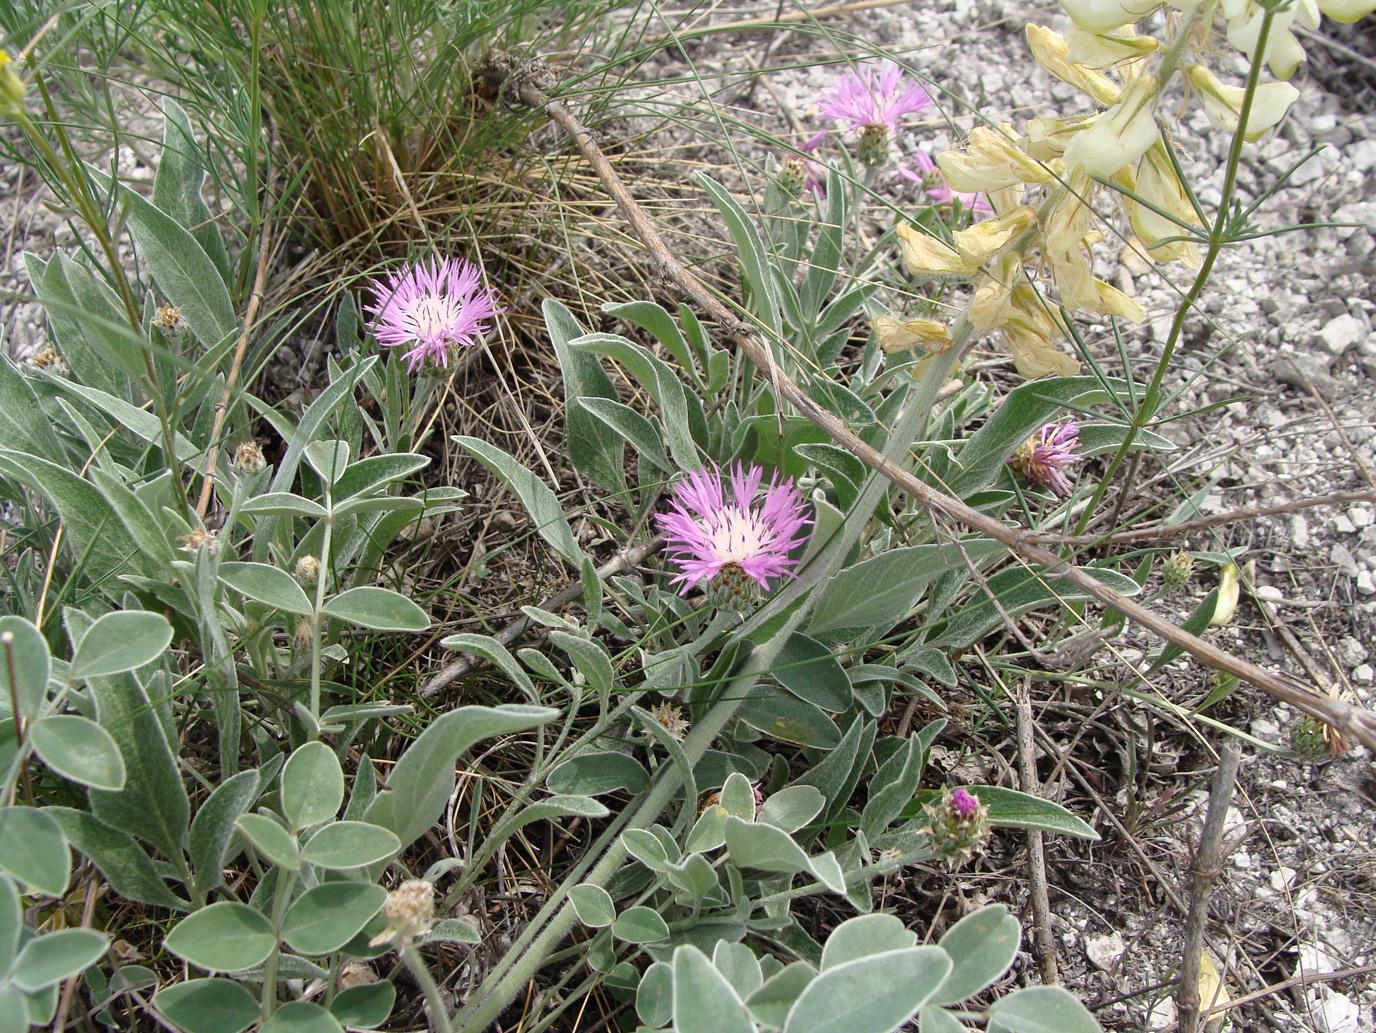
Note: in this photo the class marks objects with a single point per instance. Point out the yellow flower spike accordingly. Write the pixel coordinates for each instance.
(11, 88)
(1105, 15)
(992, 304)
(925, 255)
(1104, 50)
(1155, 181)
(1051, 51)
(1347, 11)
(991, 161)
(894, 336)
(985, 239)
(1120, 135)
(1223, 104)
(1227, 596)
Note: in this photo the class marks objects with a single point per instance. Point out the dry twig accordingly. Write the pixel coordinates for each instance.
(1206, 868)
(1356, 721)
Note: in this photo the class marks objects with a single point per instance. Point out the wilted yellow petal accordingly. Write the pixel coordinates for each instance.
(1035, 356)
(1047, 138)
(925, 255)
(895, 336)
(1052, 52)
(1223, 104)
(1120, 135)
(1227, 596)
(980, 242)
(1155, 181)
(1113, 302)
(993, 300)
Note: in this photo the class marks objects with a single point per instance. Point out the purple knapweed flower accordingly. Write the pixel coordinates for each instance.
(870, 98)
(730, 538)
(431, 307)
(1042, 456)
(929, 176)
(963, 805)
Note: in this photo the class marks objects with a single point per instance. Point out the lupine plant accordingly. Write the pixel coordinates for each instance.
(192, 662)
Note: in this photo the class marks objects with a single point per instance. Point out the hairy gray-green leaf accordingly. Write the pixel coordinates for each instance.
(266, 584)
(312, 785)
(325, 918)
(342, 845)
(27, 650)
(378, 608)
(703, 1001)
(271, 840)
(208, 1006)
(539, 501)
(593, 905)
(873, 994)
(52, 957)
(1040, 1009)
(213, 827)
(366, 1006)
(121, 641)
(982, 945)
(34, 850)
(79, 749)
(224, 937)
(126, 865)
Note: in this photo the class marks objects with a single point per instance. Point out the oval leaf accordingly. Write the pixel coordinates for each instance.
(78, 748)
(312, 785)
(271, 840)
(640, 925)
(34, 851)
(982, 945)
(224, 937)
(52, 957)
(327, 917)
(208, 1006)
(876, 994)
(704, 1002)
(591, 774)
(121, 641)
(378, 608)
(266, 584)
(301, 1017)
(593, 905)
(26, 648)
(350, 844)
(364, 1007)
(1041, 1009)
(811, 671)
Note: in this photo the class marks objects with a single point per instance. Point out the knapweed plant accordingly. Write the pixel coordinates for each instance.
(229, 802)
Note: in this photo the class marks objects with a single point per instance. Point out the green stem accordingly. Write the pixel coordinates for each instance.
(1218, 238)
(281, 897)
(439, 1016)
(318, 617)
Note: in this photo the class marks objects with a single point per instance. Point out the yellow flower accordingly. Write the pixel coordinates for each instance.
(1120, 135)
(1103, 15)
(1031, 327)
(893, 336)
(982, 241)
(925, 255)
(993, 301)
(1155, 181)
(1223, 104)
(1283, 52)
(1052, 53)
(1227, 596)
(991, 161)
(1103, 50)
(1047, 138)
(1347, 11)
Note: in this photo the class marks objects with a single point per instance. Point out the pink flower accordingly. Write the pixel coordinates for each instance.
(725, 540)
(431, 307)
(1042, 456)
(930, 176)
(869, 98)
(963, 805)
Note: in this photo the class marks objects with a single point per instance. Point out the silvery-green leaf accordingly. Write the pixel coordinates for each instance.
(874, 994)
(982, 945)
(703, 1001)
(224, 937)
(312, 785)
(79, 749)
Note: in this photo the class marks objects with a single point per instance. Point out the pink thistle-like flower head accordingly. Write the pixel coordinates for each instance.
(963, 805)
(721, 530)
(872, 98)
(431, 307)
(929, 176)
(1043, 457)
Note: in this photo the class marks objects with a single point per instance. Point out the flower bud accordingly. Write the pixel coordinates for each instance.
(248, 458)
(307, 570)
(410, 912)
(874, 146)
(168, 319)
(1177, 569)
(670, 718)
(199, 537)
(11, 88)
(791, 177)
(1120, 135)
(959, 826)
(1223, 104)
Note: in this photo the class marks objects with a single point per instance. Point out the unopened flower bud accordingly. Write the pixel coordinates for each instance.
(248, 458)
(1314, 740)
(1177, 569)
(791, 177)
(11, 88)
(959, 825)
(48, 358)
(168, 319)
(410, 912)
(1227, 596)
(302, 635)
(307, 570)
(874, 146)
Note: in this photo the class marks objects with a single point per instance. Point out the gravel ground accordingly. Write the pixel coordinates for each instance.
(1286, 327)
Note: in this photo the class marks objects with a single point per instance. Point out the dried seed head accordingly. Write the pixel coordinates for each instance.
(199, 537)
(1178, 567)
(47, 358)
(670, 718)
